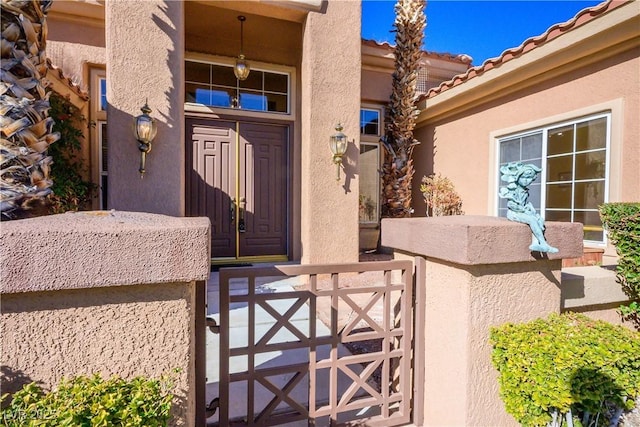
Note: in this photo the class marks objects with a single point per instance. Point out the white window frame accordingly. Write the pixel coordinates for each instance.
(544, 129)
(98, 116)
(379, 110)
(258, 66)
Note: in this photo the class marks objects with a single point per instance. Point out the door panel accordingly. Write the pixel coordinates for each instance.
(249, 220)
(263, 185)
(212, 182)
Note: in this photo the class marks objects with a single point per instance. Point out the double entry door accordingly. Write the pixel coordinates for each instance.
(238, 177)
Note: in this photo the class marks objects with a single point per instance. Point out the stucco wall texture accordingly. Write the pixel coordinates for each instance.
(125, 331)
(104, 292)
(330, 94)
(145, 62)
(479, 274)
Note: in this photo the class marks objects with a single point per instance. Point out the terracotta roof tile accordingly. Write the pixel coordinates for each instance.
(461, 58)
(528, 45)
(69, 82)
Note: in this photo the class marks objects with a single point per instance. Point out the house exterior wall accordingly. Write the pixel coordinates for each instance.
(613, 85)
(330, 93)
(591, 69)
(144, 61)
(115, 293)
(376, 86)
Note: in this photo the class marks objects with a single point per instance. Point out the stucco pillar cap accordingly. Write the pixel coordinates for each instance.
(471, 240)
(102, 248)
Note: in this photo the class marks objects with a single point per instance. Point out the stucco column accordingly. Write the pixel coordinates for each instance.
(479, 273)
(145, 62)
(330, 80)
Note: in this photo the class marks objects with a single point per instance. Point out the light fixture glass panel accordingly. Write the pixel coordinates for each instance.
(560, 168)
(590, 165)
(591, 135)
(560, 140)
(589, 195)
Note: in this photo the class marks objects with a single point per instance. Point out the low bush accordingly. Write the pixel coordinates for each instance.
(567, 368)
(92, 401)
(622, 222)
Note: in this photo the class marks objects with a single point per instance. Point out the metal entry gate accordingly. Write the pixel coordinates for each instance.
(317, 345)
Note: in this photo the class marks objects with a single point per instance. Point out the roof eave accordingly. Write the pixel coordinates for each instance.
(611, 33)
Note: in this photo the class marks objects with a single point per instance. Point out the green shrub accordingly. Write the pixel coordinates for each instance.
(622, 222)
(92, 401)
(566, 364)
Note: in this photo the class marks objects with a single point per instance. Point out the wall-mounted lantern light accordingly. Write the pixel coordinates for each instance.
(241, 68)
(144, 129)
(338, 145)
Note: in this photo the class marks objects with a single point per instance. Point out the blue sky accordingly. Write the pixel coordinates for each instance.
(480, 28)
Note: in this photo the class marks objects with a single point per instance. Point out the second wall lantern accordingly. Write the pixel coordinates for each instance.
(338, 146)
(144, 129)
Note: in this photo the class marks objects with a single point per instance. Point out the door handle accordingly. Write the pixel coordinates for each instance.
(241, 223)
(232, 211)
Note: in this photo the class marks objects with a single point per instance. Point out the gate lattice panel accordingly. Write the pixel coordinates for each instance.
(318, 318)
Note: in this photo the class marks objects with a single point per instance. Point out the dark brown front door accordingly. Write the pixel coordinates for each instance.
(238, 177)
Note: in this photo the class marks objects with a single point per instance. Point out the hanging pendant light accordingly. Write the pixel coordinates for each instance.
(241, 69)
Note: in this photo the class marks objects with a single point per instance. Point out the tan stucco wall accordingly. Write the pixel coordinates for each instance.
(479, 273)
(110, 292)
(461, 385)
(145, 62)
(612, 83)
(330, 93)
(126, 331)
(376, 86)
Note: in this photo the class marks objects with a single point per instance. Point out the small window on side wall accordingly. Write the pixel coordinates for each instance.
(370, 122)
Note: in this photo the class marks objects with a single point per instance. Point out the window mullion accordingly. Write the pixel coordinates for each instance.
(543, 178)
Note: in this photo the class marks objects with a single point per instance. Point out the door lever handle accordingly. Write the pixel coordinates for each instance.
(241, 224)
(232, 211)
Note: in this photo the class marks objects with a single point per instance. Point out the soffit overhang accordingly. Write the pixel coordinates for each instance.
(86, 12)
(612, 33)
(287, 10)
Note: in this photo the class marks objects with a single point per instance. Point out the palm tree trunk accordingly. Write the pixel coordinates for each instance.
(26, 129)
(397, 169)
